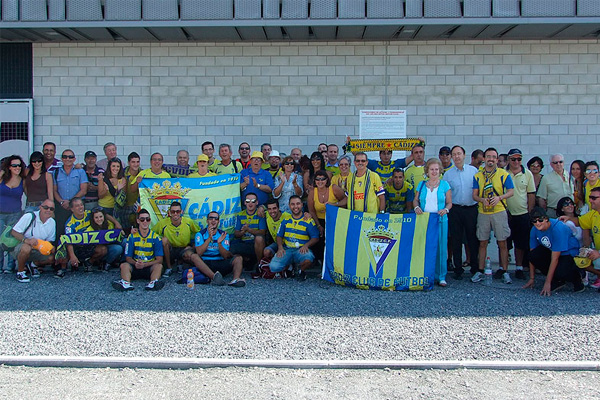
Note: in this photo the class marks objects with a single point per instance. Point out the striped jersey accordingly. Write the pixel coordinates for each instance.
(144, 248)
(74, 225)
(253, 221)
(297, 232)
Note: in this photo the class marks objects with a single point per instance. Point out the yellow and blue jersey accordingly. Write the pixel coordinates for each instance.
(253, 221)
(386, 171)
(144, 248)
(74, 225)
(396, 199)
(297, 232)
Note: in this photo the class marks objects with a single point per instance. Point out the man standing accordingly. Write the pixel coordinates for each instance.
(143, 257)
(28, 232)
(92, 171)
(477, 158)
(491, 187)
(553, 247)
(227, 165)
(183, 158)
(296, 154)
(331, 160)
(554, 186)
(203, 169)
(266, 149)
(446, 158)
(256, 180)
(295, 237)
(519, 206)
(244, 151)
(155, 171)
(208, 148)
(51, 163)
(69, 182)
(110, 151)
(365, 190)
(462, 219)
(177, 234)
(274, 163)
(503, 160)
(213, 257)
(416, 172)
(385, 167)
(127, 214)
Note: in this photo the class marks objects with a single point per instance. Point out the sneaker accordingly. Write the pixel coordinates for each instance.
(578, 286)
(218, 280)
(168, 272)
(506, 278)
(443, 283)
(105, 267)
(556, 285)
(33, 270)
(155, 285)
(478, 277)
(7, 271)
(520, 274)
(87, 267)
(22, 277)
(237, 283)
(60, 273)
(301, 276)
(122, 286)
(499, 274)
(596, 285)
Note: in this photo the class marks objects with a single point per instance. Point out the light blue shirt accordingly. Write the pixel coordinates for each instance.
(69, 185)
(461, 184)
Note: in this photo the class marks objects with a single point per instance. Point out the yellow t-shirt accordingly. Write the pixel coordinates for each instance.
(341, 181)
(274, 225)
(591, 221)
(196, 175)
(178, 236)
(108, 201)
(492, 184)
(414, 175)
(357, 191)
(147, 173)
(587, 189)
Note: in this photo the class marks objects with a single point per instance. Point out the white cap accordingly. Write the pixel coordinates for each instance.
(274, 153)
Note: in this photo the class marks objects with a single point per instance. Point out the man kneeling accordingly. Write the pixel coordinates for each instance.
(213, 257)
(143, 257)
(295, 237)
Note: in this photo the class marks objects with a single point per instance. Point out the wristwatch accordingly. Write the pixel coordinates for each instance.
(258, 186)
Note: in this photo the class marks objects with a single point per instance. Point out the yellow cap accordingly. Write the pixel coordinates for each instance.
(202, 157)
(257, 154)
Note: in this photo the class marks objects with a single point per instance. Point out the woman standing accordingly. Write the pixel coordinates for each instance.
(38, 184)
(435, 196)
(287, 183)
(318, 197)
(341, 179)
(11, 192)
(111, 187)
(577, 177)
(317, 163)
(536, 165)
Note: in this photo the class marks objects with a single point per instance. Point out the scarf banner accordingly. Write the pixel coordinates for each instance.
(380, 251)
(177, 171)
(365, 145)
(87, 238)
(198, 197)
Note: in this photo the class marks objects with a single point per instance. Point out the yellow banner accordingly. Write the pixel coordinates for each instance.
(406, 144)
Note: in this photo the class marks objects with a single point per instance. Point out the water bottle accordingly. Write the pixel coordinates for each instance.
(190, 279)
(487, 280)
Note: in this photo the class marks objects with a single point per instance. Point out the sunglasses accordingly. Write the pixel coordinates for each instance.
(34, 161)
(361, 161)
(515, 159)
(320, 179)
(244, 148)
(289, 163)
(144, 219)
(16, 165)
(568, 203)
(536, 220)
(68, 157)
(97, 209)
(594, 197)
(52, 208)
(250, 200)
(175, 211)
(212, 218)
(587, 171)
(557, 162)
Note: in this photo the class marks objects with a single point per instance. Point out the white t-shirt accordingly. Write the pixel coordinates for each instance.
(431, 202)
(38, 230)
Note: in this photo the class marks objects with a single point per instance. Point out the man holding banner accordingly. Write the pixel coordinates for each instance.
(365, 190)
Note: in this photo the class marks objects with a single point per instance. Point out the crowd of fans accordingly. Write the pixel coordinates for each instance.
(551, 220)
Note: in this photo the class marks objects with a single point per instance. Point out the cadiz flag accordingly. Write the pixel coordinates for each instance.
(380, 251)
(198, 197)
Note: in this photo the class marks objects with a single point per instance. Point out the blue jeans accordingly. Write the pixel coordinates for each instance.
(290, 257)
(8, 219)
(114, 252)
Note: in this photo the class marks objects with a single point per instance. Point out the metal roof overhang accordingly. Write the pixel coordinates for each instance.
(304, 30)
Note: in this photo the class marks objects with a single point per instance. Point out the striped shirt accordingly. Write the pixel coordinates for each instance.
(144, 248)
(253, 221)
(297, 232)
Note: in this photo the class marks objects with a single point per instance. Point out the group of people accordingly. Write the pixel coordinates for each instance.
(284, 200)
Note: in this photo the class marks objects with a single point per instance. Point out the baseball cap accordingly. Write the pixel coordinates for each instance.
(512, 152)
(202, 157)
(258, 154)
(90, 154)
(445, 149)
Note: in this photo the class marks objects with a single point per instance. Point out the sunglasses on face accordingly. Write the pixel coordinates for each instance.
(515, 159)
(536, 220)
(244, 148)
(594, 197)
(52, 208)
(591, 171)
(16, 165)
(557, 162)
(360, 161)
(175, 211)
(568, 203)
(36, 161)
(144, 219)
(250, 200)
(320, 179)
(212, 218)
(68, 157)
(289, 163)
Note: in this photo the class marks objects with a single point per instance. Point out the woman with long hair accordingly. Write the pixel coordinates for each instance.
(577, 176)
(11, 192)
(319, 196)
(111, 186)
(287, 183)
(434, 196)
(536, 165)
(317, 163)
(99, 222)
(38, 185)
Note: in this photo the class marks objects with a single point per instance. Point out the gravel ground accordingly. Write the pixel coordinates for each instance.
(82, 315)
(254, 383)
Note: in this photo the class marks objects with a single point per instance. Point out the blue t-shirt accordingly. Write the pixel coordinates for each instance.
(263, 177)
(212, 251)
(558, 237)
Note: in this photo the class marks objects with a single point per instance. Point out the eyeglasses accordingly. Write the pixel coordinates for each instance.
(35, 161)
(320, 179)
(16, 165)
(212, 218)
(251, 200)
(175, 211)
(52, 208)
(144, 219)
(536, 220)
(244, 148)
(289, 163)
(361, 161)
(587, 171)
(568, 203)
(515, 159)
(594, 197)
(67, 157)
(557, 162)
(157, 159)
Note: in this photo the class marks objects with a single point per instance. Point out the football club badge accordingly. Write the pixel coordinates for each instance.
(162, 195)
(379, 242)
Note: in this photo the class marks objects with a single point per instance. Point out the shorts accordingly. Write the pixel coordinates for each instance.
(243, 248)
(35, 256)
(83, 252)
(272, 248)
(498, 222)
(225, 267)
(291, 256)
(177, 252)
(143, 273)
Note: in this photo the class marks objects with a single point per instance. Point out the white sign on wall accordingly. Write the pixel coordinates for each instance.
(383, 124)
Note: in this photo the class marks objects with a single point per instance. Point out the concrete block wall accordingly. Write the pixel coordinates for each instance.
(540, 96)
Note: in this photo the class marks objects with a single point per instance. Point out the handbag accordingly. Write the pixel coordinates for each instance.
(7, 241)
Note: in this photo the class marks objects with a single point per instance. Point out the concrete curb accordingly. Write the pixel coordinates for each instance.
(188, 363)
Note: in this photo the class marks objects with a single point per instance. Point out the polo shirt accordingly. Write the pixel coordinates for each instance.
(553, 188)
(212, 251)
(523, 184)
(234, 167)
(263, 177)
(147, 173)
(68, 185)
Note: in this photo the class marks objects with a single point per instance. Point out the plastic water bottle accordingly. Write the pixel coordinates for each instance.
(190, 279)
(487, 279)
